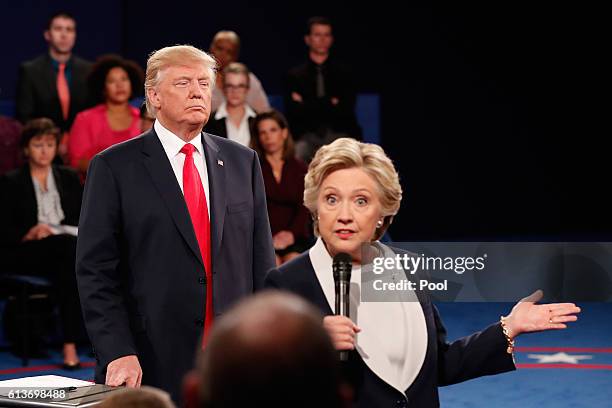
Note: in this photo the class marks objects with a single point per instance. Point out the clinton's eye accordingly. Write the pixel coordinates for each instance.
(361, 201)
(330, 199)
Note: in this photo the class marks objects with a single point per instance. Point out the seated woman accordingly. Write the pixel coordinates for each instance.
(283, 176)
(39, 211)
(113, 81)
(398, 353)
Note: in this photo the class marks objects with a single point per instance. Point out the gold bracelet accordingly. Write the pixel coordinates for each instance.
(510, 349)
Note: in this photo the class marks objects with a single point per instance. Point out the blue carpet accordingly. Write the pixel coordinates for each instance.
(544, 387)
(10, 366)
(536, 387)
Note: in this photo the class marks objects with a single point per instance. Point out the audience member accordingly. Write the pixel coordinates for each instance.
(143, 397)
(146, 119)
(39, 211)
(234, 117)
(268, 351)
(283, 176)
(320, 94)
(113, 82)
(10, 152)
(54, 85)
(225, 47)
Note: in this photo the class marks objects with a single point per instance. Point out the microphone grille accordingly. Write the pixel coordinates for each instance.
(342, 257)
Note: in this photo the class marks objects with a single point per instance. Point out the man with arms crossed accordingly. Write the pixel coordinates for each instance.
(173, 231)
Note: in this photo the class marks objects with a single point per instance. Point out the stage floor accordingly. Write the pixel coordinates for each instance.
(570, 368)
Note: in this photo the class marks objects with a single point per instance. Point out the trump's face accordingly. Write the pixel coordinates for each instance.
(182, 96)
(348, 207)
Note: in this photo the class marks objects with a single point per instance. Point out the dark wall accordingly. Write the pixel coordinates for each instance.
(476, 100)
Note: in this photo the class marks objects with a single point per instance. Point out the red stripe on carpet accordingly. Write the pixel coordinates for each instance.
(575, 366)
(42, 368)
(568, 349)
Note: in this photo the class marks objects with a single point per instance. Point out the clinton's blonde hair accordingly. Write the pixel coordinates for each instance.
(178, 55)
(346, 153)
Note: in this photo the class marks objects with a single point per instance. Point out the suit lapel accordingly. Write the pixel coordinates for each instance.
(160, 170)
(50, 78)
(215, 165)
(58, 181)
(60, 189)
(30, 206)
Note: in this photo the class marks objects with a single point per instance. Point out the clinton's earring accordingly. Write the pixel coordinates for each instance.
(379, 224)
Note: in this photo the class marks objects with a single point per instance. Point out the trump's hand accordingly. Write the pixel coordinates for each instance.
(527, 317)
(342, 331)
(124, 370)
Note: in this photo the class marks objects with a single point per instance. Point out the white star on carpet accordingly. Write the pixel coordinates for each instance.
(559, 358)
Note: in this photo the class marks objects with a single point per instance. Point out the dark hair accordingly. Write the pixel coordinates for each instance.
(272, 339)
(38, 127)
(279, 118)
(317, 20)
(62, 14)
(101, 68)
(144, 113)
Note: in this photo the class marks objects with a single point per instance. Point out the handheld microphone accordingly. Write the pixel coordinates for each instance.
(342, 267)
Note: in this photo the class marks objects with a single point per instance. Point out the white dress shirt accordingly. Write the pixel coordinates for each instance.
(48, 201)
(172, 145)
(242, 133)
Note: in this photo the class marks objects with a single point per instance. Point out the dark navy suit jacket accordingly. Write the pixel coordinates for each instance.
(482, 353)
(37, 90)
(140, 272)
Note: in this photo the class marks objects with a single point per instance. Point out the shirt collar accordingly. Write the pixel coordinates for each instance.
(173, 144)
(222, 111)
(56, 63)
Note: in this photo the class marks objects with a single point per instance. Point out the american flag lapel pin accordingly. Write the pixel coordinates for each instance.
(220, 163)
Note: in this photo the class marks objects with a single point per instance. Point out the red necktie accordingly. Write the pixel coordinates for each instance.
(195, 197)
(63, 92)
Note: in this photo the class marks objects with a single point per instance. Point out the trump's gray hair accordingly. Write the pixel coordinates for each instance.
(177, 55)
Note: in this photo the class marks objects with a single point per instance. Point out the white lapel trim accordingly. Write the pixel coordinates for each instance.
(367, 345)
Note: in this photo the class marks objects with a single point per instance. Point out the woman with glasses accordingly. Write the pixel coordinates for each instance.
(234, 117)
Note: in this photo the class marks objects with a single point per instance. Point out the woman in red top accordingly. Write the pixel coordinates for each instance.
(283, 176)
(113, 81)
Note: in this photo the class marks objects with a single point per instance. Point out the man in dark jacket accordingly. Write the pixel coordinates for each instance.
(54, 85)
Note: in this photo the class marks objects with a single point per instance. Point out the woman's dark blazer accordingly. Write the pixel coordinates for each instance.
(482, 353)
(218, 127)
(18, 207)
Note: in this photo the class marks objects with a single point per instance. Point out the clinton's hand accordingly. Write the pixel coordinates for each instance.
(527, 317)
(342, 331)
